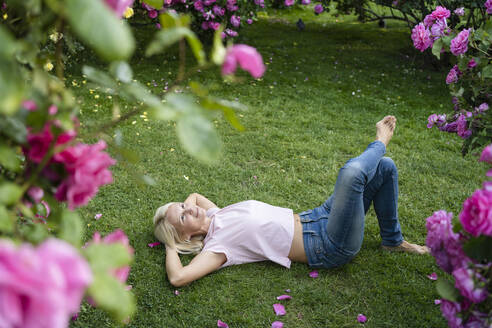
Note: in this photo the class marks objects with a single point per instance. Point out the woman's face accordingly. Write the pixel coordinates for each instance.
(186, 219)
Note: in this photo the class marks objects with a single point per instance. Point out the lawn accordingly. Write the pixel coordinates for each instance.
(316, 106)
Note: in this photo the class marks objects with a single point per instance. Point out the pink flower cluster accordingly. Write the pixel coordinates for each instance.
(248, 58)
(86, 166)
(488, 5)
(41, 287)
(459, 45)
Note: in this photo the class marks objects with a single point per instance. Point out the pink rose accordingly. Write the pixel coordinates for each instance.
(465, 282)
(305, 2)
(30, 105)
(204, 26)
(289, 3)
(453, 74)
(231, 5)
(486, 155)
(260, 3)
(459, 45)
(249, 21)
(230, 32)
(87, 166)
(218, 11)
(119, 6)
(152, 14)
(488, 5)
(429, 20)
(318, 9)
(248, 58)
(460, 11)
(441, 13)
(214, 25)
(43, 286)
(439, 28)
(35, 193)
(198, 5)
(472, 63)
(235, 20)
(476, 215)
(462, 127)
(116, 237)
(421, 37)
(39, 143)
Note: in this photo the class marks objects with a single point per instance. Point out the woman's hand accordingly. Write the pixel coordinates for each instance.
(195, 199)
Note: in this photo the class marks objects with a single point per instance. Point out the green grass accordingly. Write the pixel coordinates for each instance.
(316, 107)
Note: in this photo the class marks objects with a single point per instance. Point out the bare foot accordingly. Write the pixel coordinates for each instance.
(385, 129)
(405, 246)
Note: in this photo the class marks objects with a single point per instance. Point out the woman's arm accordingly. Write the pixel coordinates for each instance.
(201, 265)
(199, 200)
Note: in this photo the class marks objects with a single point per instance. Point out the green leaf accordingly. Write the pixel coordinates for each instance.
(196, 47)
(122, 71)
(98, 26)
(169, 19)
(199, 138)
(9, 159)
(447, 290)
(110, 295)
(8, 44)
(100, 77)
(218, 50)
(70, 228)
(436, 48)
(157, 109)
(103, 257)
(10, 193)
(487, 72)
(6, 222)
(11, 88)
(479, 248)
(227, 107)
(156, 4)
(165, 38)
(463, 63)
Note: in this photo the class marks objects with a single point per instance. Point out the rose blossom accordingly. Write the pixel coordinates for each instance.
(476, 215)
(30, 105)
(235, 20)
(87, 168)
(429, 20)
(449, 311)
(230, 32)
(43, 286)
(305, 2)
(231, 5)
(318, 9)
(214, 25)
(218, 11)
(443, 243)
(462, 129)
(39, 143)
(459, 45)
(289, 3)
(421, 37)
(439, 28)
(460, 11)
(453, 75)
(441, 13)
(486, 155)
(439, 120)
(464, 282)
(488, 5)
(248, 58)
(472, 63)
(249, 21)
(260, 3)
(482, 108)
(204, 26)
(198, 5)
(119, 6)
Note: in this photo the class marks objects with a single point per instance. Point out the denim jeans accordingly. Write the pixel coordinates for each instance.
(333, 232)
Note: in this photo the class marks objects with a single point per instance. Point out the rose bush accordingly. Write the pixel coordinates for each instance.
(466, 253)
(469, 80)
(44, 161)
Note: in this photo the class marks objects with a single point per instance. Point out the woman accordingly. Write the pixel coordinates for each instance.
(327, 236)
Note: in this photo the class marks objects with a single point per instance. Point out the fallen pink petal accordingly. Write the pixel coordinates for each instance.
(152, 245)
(97, 216)
(437, 302)
(176, 292)
(432, 276)
(279, 309)
(313, 274)
(128, 287)
(222, 324)
(287, 290)
(277, 324)
(361, 318)
(284, 297)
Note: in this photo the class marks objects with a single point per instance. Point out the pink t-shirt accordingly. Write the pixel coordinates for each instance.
(251, 231)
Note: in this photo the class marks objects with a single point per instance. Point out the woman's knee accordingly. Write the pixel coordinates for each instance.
(388, 165)
(352, 171)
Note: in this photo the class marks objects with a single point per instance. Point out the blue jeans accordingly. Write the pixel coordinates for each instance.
(333, 232)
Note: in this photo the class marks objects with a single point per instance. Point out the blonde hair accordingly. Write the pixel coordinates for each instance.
(166, 233)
